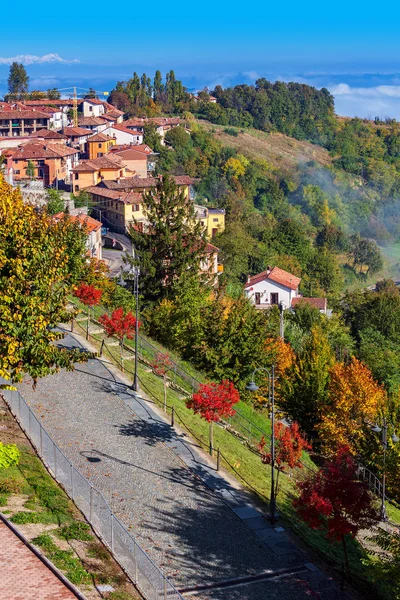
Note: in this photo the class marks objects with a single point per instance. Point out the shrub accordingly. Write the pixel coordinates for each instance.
(76, 531)
(3, 499)
(10, 486)
(9, 455)
(231, 131)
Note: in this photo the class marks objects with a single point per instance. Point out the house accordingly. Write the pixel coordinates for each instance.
(91, 172)
(212, 219)
(99, 144)
(273, 286)
(53, 163)
(49, 135)
(21, 122)
(64, 104)
(77, 137)
(96, 124)
(58, 118)
(117, 209)
(140, 159)
(320, 304)
(163, 124)
(92, 107)
(140, 185)
(93, 229)
(210, 264)
(123, 135)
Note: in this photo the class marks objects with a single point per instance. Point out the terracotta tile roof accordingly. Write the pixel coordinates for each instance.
(319, 303)
(141, 182)
(140, 122)
(211, 249)
(125, 197)
(121, 127)
(88, 222)
(109, 117)
(91, 121)
(93, 101)
(76, 131)
(100, 137)
(63, 102)
(278, 276)
(131, 153)
(37, 149)
(143, 148)
(111, 109)
(24, 114)
(48, 134)
(103, 162)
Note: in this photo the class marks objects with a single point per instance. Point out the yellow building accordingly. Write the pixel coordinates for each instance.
(116, 209)
(99, 144)
(91, 172)
(212, 219)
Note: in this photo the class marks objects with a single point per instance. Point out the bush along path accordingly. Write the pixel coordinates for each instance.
(42, 512)
(201, 529)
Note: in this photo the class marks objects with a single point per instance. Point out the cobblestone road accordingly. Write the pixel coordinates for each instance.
(186, 528)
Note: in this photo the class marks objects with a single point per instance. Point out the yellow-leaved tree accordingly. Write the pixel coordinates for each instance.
(40, 261)
(354, 400)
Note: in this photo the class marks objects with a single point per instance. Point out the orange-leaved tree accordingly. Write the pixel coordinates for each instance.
(289, 446)
(214, 401)
(354, 401)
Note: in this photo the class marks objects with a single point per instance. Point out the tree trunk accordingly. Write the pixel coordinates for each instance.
(88, 323)
(165, 392)
(121, 348)
(211, 438)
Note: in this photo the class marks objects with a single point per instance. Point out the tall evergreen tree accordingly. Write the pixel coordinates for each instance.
(17, 81)
(173, 243)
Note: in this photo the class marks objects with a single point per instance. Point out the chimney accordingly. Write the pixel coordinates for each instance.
(248, 278)
(268, 270)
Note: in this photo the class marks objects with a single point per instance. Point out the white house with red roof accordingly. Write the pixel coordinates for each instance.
(272, 286)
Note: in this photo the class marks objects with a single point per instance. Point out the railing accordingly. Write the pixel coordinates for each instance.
(139, 567)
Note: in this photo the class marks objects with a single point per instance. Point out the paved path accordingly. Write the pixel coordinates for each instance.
(198, 528)
(23, 575)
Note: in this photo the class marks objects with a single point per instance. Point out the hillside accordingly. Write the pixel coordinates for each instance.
(282, 152)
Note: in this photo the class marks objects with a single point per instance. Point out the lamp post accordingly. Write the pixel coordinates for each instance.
(281, 321)
(395, 439)
(252, 387)
(135, 272)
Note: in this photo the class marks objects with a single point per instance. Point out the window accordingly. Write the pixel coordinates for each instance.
(257, 298)
(76, 175)
(17, 172)
(99, 145)
(99, 154)
(274, 298)
(90, 108)
(215, 220)
(77, 188)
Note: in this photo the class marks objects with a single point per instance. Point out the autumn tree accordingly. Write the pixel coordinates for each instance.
(161, 365)
(90, 297)
(334, 500)
(354, 400)
(289, 446)
(214, 401)
(120, 325)
(303, 392)
(40, 261)
(174, 243)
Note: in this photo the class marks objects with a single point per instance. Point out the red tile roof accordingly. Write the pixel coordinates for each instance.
(143, 182)
(319, 303)
(143, 148)
(76, 131)
(110, 161)
(91, 121)
(121, 127)
(63, 102)
(88, 222)
(24, 114)
(278, 276)
(100, 137)
(37, 149)
(48, 134)
(211, 249)
(125, 197)
(93, 101)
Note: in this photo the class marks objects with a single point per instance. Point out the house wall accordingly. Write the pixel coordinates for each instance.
(95, 244)
(84, 180)
(123, 137)
(97, 149)
(140, 166)
(51, 170)
(215, 223)
(266, 288)
(92, 110)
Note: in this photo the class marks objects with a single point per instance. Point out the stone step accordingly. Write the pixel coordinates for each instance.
(111, 343)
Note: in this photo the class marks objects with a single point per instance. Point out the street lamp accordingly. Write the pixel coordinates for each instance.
(253, 387)
(134, 273)
(395, 439)
(281, 321)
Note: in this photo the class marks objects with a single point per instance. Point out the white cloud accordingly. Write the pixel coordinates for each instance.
(31, 59)
(253, 75)
(367, 102)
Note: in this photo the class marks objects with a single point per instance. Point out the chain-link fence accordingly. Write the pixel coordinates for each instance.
(144, 573)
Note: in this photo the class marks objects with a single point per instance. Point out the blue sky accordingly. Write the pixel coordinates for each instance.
(350, 47)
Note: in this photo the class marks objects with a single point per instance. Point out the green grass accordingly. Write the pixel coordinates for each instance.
(246, 466)
(76, 531)
(63, 559)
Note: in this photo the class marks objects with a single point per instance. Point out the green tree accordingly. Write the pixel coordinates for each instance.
(304, 389)
(30, 169)
(53, 94)
(55, 202)
(173, 243)
(18, 81)
(40, 262)
(91, 94)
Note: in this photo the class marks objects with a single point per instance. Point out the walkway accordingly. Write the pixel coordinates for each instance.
(201, 531)
(23, 575)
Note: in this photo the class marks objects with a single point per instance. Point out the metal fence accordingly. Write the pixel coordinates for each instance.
(144, 573)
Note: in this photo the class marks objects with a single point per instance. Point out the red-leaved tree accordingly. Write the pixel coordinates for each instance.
(214, 401)
(120, 325)
(334, 500)
(289, 445)
(90, 296)
(161, 365)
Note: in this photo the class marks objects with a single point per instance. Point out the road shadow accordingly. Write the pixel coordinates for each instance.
(151, 433)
